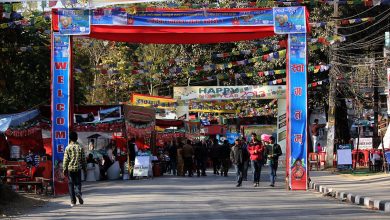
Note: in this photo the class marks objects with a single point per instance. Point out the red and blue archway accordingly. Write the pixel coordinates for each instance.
(176, 26)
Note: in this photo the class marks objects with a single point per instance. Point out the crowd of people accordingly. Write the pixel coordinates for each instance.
(193, 157)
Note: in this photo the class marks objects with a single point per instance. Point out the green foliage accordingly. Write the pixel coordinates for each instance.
(25, 75)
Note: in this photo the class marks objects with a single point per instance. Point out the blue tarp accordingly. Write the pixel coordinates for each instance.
(12, 120)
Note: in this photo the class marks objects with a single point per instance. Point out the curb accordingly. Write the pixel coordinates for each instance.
(383, 205)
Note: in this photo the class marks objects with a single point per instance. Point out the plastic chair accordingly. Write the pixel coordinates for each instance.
(313, 160)
(366, 158)
(322, 159)
(354, 158)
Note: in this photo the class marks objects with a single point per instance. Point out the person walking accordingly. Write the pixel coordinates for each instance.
(172, 151)
(274, 152)
(256, 150)
(225, 161)
(74, 161)
(180, 159)
(200, 153)
(188, 154)
(215, 156)
(246, 159)
(237, 158)
(132, 151)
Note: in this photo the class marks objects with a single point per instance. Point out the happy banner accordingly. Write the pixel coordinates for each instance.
(202, 93)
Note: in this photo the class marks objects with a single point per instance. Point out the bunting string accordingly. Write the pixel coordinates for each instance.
(342, 22)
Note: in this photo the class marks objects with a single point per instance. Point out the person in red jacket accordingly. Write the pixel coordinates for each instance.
(256, 150)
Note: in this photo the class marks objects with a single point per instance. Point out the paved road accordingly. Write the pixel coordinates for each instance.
(208, 197)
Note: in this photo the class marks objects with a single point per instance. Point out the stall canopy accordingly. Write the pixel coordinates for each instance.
(11, 120)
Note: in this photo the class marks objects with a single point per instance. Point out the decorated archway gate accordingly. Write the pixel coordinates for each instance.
(175, 26)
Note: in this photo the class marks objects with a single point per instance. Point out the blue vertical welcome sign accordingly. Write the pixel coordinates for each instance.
(298, 111)
(61, 57)
(292, 21)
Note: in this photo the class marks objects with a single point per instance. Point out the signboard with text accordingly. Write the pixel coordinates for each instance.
(201, 93)
(74, 21)
(297, 70)
(289, 20)
(344, 156)
(61, 59)
(193, 18)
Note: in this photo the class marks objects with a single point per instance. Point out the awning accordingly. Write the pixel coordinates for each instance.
(169, 123)
(10, 120)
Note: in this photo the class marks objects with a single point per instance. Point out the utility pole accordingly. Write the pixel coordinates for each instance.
(332, 95)
(375, 140)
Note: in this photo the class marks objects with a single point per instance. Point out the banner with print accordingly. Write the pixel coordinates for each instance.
(297, 69)
(194, 18)
(204, 93)
(61, 61)
(74, 21)
(289, 20)
(101, 3)
(231, 137)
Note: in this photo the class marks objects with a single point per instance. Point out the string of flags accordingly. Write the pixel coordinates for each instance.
(342, 22)
(313, 69)
(23, 49)
(192, 69)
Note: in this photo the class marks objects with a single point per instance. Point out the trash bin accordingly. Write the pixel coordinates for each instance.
(156, 169)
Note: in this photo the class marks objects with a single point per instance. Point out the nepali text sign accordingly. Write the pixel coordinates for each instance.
(289, 20)
(201, 93)
(61, 58)
(298, 111)
(195, 18)
(154, 101)
(74, 21)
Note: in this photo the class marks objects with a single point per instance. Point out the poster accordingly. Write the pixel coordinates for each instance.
(289, 20)
(204, 93)
(231, 137)
(74, 21)
(364, 143)
(61, 59)
(297, 70)
(142, 166)
(194, 18)
(344, 156)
